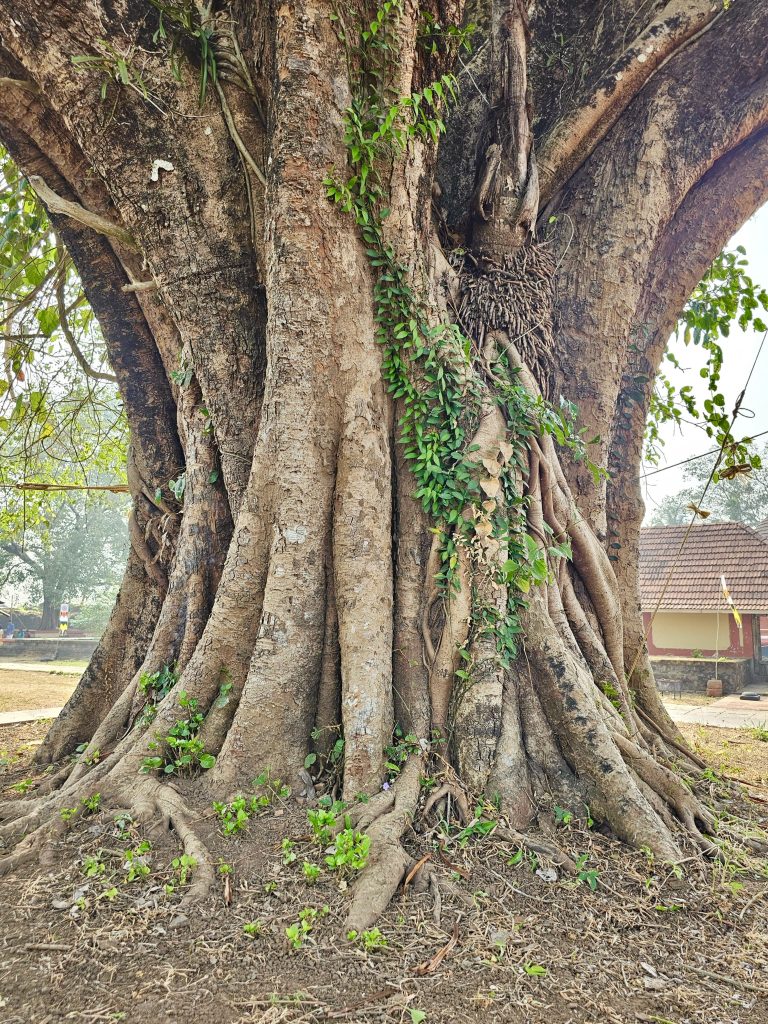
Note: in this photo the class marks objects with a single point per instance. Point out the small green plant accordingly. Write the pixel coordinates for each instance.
(563, 816)
(273, 790)
(24, 786)
(331, 763)
(588, 875)
(123, 822)
(310, 871)
(68, 813)
(252, 929)
(534, 970)
(322, 821)
(184, 866)
(115, 66)
(349, 852)
(760, 732)
(90, 759)
(110, 894)
(398, 751)
(224, 869)
(235, 816)
(296, 933)
(136, 861)
(524, 856)
(481, 826)
(186, 752)
(371, 940)
(270, 887)
(289, 851)
(182, 20)
(91, 804)
(417, 1016)
(155, 686)
(93, 866)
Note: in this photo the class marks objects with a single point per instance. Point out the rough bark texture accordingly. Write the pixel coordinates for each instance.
(295, 588)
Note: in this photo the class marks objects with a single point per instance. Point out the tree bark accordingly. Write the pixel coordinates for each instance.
(297, 593)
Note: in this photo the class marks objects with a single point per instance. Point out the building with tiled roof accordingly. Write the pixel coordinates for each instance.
(686, 613)
(762, 530)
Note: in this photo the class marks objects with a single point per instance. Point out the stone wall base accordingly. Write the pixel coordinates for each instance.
(691, 675)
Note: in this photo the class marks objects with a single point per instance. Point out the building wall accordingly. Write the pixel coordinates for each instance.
(690, 675)
(706, 633)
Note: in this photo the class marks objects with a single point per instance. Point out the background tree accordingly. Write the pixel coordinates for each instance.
(80, 551)
(345, 270)
(742, 498)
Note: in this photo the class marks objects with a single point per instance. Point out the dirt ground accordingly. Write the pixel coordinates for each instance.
(79, 942)
(25, 691)
(505, 943)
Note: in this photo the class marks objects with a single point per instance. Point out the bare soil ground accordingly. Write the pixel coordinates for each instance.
(25, 691)
(506, 943)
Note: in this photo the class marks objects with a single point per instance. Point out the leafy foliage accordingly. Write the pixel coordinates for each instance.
(725, 296)
(57, 420)
(184, 752)
(61, 420)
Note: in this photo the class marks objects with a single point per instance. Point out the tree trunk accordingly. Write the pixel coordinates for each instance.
(50, 617)
(362, 322)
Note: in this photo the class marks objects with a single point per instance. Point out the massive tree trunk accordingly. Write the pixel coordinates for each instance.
(382, 521)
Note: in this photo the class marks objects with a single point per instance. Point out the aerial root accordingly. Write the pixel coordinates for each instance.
(36, 845)
(18, 827)
(54, 780)
(696, 819)
(363, 815)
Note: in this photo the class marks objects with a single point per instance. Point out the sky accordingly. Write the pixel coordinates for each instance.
(739, 350)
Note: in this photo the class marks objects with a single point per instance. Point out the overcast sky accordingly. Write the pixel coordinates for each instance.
(739, 349)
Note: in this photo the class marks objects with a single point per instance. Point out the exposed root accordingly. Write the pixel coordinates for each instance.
(447, 792)
(388, 862)
(160, 803)
(544, 850)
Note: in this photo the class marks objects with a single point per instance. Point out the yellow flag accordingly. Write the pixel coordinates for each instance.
(729, 600)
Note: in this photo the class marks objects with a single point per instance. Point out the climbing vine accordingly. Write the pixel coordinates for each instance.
(429, 367)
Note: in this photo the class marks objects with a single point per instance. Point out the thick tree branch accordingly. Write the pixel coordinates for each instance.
(570, 142)
(506, 198)
(18, 551)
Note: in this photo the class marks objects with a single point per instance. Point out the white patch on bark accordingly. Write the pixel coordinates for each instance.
(295, 534)
(160, 165)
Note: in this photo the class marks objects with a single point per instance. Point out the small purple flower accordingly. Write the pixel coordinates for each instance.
(385, 785)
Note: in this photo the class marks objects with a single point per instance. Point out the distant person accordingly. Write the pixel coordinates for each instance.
(9, 630)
